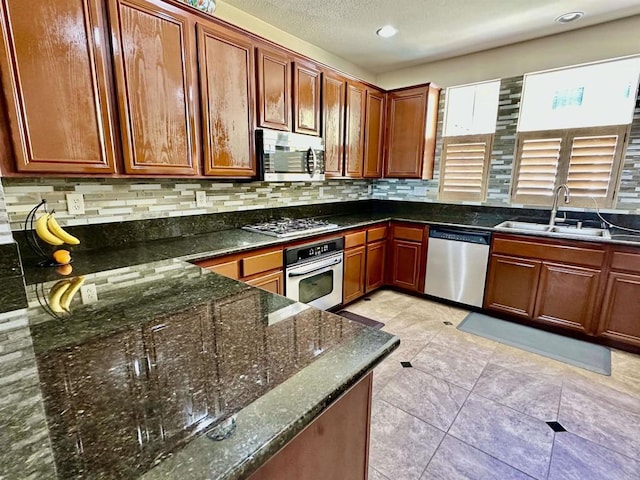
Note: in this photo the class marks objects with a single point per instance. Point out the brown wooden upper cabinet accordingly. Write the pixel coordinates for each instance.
(411, 129)
(227, 90)
(306, 98)
(374, 133)
(334, 98)
(57, 90)
(274, 89)
(354, 135)
(154, 53)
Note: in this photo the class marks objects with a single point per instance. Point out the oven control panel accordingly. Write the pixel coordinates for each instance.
(313, 250)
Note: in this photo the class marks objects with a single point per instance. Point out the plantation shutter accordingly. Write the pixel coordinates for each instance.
(539, 158)
(593, 166)
(464, 166)
(586, 159)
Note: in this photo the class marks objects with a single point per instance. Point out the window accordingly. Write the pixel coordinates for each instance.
(469, 125)
(572, 129)
(588, 160)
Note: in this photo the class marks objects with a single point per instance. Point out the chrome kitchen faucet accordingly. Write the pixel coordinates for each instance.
(554, 208)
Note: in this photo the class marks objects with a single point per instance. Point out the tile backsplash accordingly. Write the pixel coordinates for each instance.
(117, 200)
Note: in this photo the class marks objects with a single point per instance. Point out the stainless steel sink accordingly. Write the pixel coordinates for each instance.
(536, 227)
(555, 231)
(583, 232)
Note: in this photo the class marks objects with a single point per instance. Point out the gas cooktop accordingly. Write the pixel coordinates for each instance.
(289, 227)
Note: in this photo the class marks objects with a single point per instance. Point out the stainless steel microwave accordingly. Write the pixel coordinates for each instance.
(293, 157)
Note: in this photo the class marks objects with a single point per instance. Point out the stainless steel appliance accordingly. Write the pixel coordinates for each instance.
(290, 227)
(457, 264)
(293, 157)
(314, 272)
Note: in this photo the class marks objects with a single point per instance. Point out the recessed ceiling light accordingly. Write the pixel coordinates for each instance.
(569, 17)
(386, 31)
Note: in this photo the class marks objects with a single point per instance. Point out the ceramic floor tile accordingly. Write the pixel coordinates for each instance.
(429, 398)
(376, 475)
(516, 439)
(401, 445)
(454, 359)
(384, 373)
(453, 337)
(600, 416)
(575, 458)
(524, 393)
(529, 363)
(455, 460)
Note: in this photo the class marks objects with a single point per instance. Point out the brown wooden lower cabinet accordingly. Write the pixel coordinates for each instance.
(406, 258)
(512, 285)
(355, 264)
(334, 446)
(567, 296)
(620, 319)
(376, 255)
(261, 268)
(272, 282)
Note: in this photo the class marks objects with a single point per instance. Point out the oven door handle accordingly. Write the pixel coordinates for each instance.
(335, 261)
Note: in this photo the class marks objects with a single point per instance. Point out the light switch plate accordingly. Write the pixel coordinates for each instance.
(75, 203)
(201, 198)
(420, 191)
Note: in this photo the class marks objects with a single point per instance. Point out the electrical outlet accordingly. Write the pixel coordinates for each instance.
(75, 203)
(201, 198)
(369, 189)
(89, 293)
(321, 192)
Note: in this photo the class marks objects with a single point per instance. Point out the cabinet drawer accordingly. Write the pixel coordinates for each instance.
(554, 252)
(272, 282)
(626, 261)
(354, 239)
(228, 269)
(376, 233)
(261, 263)
(413, 234)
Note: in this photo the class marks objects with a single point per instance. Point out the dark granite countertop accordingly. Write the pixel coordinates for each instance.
(174, 372)
(137, 384)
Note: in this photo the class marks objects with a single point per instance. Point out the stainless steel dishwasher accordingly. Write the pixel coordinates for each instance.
(457, 264)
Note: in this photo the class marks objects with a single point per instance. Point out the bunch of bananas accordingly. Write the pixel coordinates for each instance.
(50, 231)
(62, 292)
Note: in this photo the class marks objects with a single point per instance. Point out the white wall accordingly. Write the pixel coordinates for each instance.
(253, 24)
(608, 40)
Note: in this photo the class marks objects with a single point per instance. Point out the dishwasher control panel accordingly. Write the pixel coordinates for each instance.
(481, 238)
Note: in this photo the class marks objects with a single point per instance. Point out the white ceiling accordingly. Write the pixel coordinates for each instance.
(429, 30)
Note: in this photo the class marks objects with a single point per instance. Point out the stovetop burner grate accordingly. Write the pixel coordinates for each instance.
(287, 227)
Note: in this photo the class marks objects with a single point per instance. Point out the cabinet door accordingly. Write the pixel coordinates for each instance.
(406, 258)
(354, 273)
(354, 147)
(274, 90)
(154, 65)
(227, 89)
(406, 121)
(376, 255)
(567, 296)
(374, 134)
(620, 318)
(273, 282)
(512, 285)
(334, 108)
(306, 99)
(54, 64)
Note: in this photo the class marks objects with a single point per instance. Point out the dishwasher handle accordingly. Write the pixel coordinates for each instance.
(460, 235)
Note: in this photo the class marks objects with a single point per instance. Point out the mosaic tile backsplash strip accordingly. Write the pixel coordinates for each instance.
(119, 200)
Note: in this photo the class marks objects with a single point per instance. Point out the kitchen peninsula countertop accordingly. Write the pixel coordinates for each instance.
(175, 372)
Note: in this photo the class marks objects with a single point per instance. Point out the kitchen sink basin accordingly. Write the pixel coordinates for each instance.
(583, 232)
(535, 227)
(555, 231)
